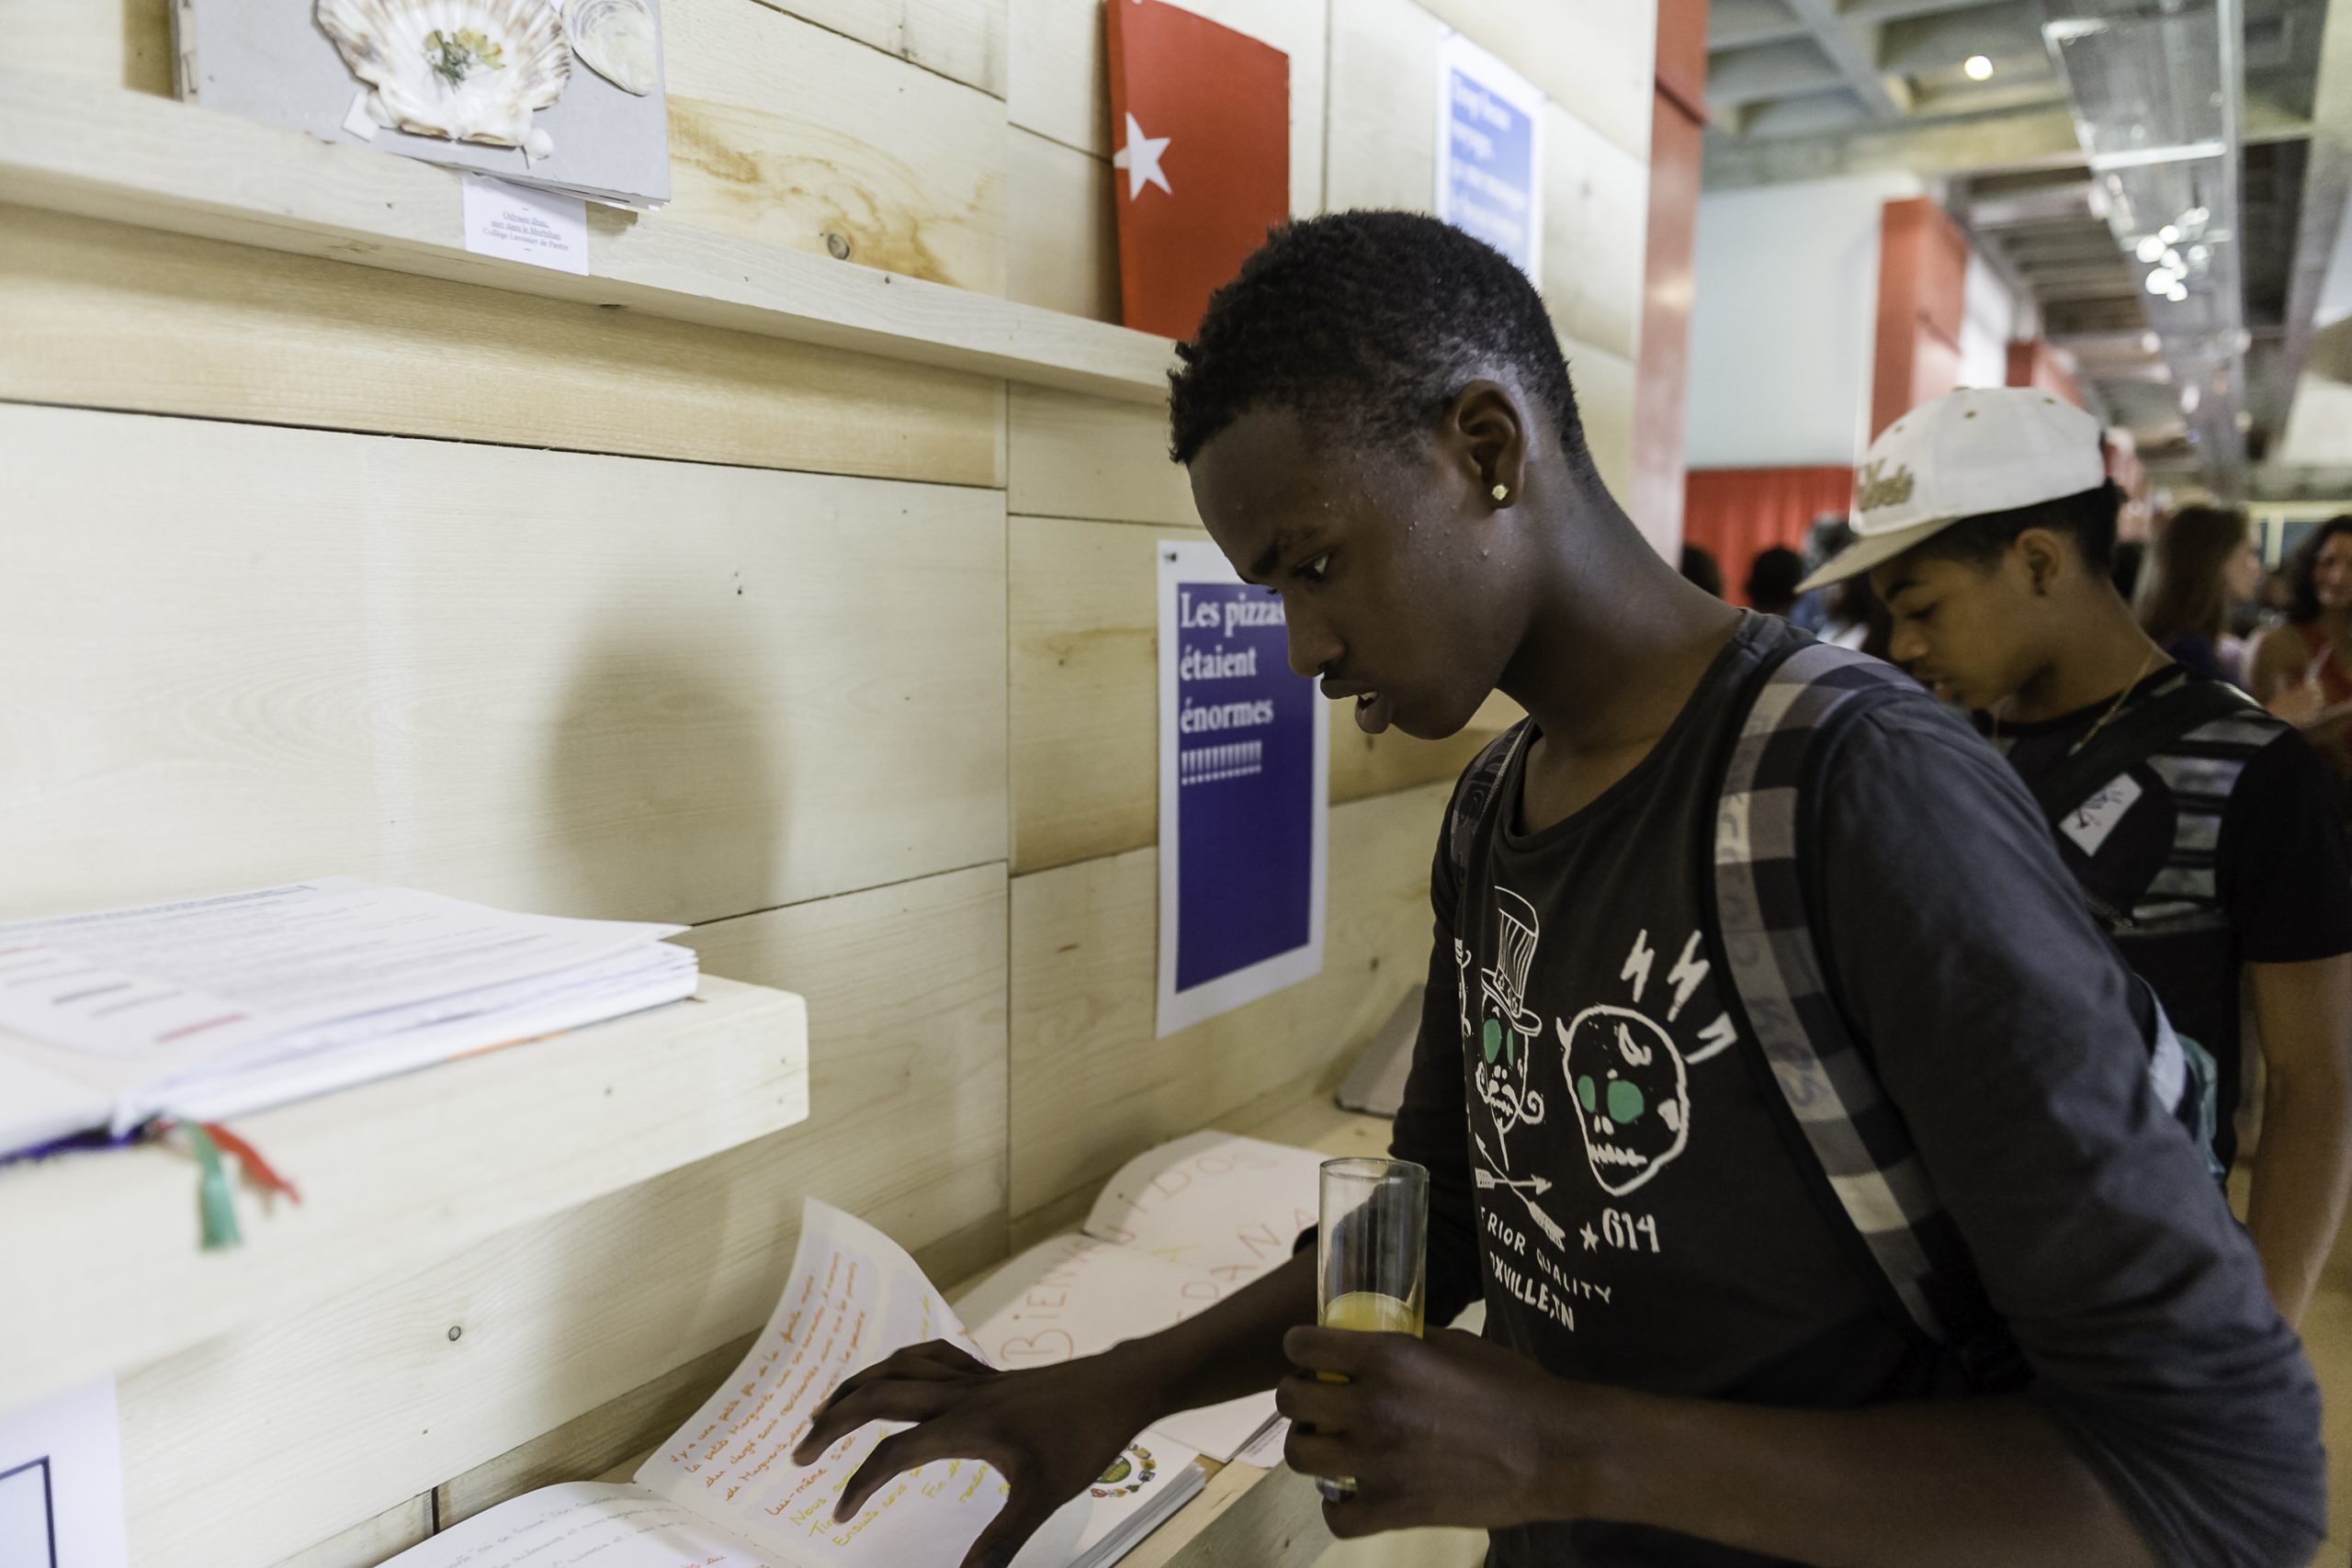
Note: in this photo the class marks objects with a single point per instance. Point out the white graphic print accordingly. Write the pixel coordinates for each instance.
(1633, 1090)
(1509, 1030)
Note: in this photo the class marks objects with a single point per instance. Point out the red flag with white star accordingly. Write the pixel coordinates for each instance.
(1200, 114)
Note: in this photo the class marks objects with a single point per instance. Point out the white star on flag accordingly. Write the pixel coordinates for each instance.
(1140, 158)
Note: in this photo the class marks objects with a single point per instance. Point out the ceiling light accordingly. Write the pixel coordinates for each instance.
(2151, 343)
(2159, 280)
(2168, 234)
(2150, 248)
(2176, 293)
(1978, 67)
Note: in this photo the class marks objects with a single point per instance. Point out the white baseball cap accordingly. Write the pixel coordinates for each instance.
(1966, 454)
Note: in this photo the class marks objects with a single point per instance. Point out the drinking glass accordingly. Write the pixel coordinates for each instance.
(1371, 1256)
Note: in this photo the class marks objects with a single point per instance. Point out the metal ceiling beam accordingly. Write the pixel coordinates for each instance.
(2008, 35)
(2038, 139)
(1891, 10)
(1852, 48)
(2327, 185)
(1768, 74)
(1737, 24)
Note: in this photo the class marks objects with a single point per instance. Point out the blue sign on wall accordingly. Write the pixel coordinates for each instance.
(1490, 152)
(1244, 765)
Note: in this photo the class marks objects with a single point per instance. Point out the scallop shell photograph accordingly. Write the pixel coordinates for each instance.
(565, 95)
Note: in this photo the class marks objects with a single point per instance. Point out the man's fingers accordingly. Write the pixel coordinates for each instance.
(931, 1362)
(947, 1353)
(891, 1457)
(1314, 1453)
(1009, 1532)
(1344, 1351)
(897, 1400)
(1326, 1406)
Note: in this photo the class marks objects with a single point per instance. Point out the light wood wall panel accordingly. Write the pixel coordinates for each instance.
(249, 1448)
(1595, 58)
(1384, 106)
(1065, 241)
(788, 133)
(1085, 695)
(585, 685)
(782, 130)
(1604, 385)
(1078, 457)
(962, 40)
(104, 315)
(1596, 216)
(1060, 81)
(113, 43)
(1089, 1085)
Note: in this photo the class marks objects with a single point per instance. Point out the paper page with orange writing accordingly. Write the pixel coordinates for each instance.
(854, 1298)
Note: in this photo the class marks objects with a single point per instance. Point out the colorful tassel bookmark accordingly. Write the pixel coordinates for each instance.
(257, 1169)
(213, 1202)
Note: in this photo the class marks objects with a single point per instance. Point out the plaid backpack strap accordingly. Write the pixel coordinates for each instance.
(1472, 796)
(1855, 1133)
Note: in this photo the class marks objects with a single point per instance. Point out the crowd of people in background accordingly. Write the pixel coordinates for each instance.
(2199, 588)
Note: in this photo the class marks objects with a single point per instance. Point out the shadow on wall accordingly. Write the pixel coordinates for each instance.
(661, 784)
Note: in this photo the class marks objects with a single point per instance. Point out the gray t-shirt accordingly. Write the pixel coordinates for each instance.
(1613, 1175)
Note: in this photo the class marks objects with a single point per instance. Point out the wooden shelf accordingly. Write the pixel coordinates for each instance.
(134, 158)
(104, 1269)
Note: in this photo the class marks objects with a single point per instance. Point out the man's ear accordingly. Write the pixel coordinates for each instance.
(1484, 438)
(2045, 557)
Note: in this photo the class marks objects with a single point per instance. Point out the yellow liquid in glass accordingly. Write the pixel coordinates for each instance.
(1369, 1311)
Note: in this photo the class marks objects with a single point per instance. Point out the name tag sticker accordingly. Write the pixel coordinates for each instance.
(2089, 823)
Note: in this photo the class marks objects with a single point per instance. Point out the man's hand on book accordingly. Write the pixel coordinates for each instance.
(1049, 1431)
(1446, 1430)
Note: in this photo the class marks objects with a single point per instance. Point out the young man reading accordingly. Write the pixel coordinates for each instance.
(2203, 832)
(1696, 1351)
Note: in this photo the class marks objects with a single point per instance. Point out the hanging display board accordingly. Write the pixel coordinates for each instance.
(1245, 750)
(1490, 152)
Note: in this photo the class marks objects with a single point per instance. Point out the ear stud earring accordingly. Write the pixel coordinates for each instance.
(1500, 492)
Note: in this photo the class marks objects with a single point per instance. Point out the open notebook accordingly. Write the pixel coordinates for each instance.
(723, 1492)
(207, 1009)
(1178, 1228)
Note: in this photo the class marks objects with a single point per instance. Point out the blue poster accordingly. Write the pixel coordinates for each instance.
(1490, 152)
(1244, 749)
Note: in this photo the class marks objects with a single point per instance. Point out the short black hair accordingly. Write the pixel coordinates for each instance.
(2088, 518)
(1773, 575)
(1366, 324)
(1700, 567)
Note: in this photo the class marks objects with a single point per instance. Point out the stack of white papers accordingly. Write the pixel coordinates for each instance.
(216, 1006)
(1176, 1230)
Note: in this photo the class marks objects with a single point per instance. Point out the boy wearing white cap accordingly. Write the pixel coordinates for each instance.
(2201, 830)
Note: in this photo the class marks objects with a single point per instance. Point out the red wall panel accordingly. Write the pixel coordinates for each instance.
(1678, 121)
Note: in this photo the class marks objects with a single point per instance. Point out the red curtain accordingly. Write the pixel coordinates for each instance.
(1736, 513)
